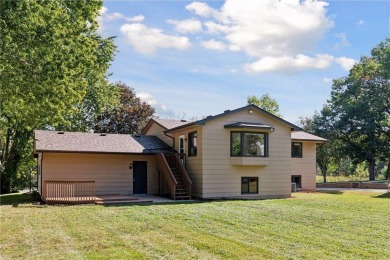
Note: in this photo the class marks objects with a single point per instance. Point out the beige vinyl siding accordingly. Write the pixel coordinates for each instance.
(110, 171)
(157, 130)
(193, 163)
(222, 179)
(306, 166)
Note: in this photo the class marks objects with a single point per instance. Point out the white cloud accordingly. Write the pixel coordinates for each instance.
(275, 28)
(136, 19)
(297, 63)
(103, 10)
(234, 48)
(288, 63)
(146, 97)
(279, 34)
(161, 109)
(214, 28)
(120, 16)
(99, 19)
(345, 62)
(343, 41)
(146, 40)
(360, 22)
(187, 26)
(213, 45)
(199, 8)
(105, 16)
(327, 80)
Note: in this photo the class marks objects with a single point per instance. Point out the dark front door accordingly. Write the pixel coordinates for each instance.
(139, 177)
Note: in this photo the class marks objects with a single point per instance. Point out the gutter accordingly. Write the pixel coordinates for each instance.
(173, 139)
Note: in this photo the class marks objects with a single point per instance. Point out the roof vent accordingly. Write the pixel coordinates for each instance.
(61, 132)
(183, 120)
(226, 111)
(103, 134)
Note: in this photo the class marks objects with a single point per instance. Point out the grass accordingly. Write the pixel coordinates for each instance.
(340, 225)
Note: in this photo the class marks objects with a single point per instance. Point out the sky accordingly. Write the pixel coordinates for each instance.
(191, 59)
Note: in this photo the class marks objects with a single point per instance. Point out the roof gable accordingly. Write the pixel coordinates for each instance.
(164, 123)
(229, 112)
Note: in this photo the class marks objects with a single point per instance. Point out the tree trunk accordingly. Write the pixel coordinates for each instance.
(371, 169)
(323, 172)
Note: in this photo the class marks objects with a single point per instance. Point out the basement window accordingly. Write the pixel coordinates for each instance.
(249, 185)
(297, 179)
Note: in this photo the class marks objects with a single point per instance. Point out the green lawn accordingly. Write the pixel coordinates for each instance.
(347, 225)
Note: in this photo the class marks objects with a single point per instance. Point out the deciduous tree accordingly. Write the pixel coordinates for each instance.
(265, 102)
(53, 66)
(360, 108)
(129, 117)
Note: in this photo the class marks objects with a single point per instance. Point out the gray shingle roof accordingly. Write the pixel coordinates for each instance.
(303, 136)
(171, 123)
(97, 143)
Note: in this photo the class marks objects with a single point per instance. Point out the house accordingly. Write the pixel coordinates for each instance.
(241, 153)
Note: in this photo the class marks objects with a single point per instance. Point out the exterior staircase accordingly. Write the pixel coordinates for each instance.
(173, 173)
(181, 191)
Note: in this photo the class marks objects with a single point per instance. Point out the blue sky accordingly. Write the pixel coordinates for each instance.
(198, 58)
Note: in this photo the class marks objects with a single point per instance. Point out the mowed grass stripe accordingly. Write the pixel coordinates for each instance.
(310, 225)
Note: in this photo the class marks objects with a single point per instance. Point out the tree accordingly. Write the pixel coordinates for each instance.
(326, 152)
(265, 102)
(52, 62)
(360, 108)
(129, 117)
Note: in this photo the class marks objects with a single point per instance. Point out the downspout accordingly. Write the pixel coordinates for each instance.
(173, 139)
(41, 172)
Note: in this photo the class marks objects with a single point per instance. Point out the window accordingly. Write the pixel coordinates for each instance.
(249, 144)
(297, 180)
(296, 150)
(181, 144)
(249, 185)
(193, 144)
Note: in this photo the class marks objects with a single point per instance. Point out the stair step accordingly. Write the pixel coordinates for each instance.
(122, 202)
(182, 197)
(115, 198)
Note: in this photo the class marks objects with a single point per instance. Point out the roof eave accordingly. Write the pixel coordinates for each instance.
(180, 127)
(94, 152)
(309, 140)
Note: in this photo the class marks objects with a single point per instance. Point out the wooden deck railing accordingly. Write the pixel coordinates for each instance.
(164, 169)
(174, 162)
(69, 192)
